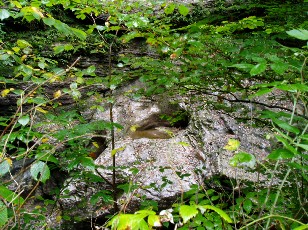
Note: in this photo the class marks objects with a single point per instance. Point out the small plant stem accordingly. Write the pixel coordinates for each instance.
(114, 185)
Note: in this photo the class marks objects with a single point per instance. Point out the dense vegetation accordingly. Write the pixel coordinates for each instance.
(233, 52)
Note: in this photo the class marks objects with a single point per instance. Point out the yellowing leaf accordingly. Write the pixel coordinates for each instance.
(57, 94)
(232, 145)
(133, 128)
(5, 92)
(44, 140)
(95, 144)
(41, 110)
(9, 161)
(37, 11)
(114, 151)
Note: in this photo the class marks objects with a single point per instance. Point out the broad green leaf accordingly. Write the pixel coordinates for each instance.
(169, 8)
(279, 67)
(4, 14)
(280, 154)
(183, 10)
(247, 205)
(293, 87)
(89, 71)
(303, 146)
(24, 120)
(58, 49)
(23, 43)
(3, 57)
(43, 156)
(286, 144)
(49, 21)
(220, 212)
(187, 212)
(40, 171)
(62, 27)
(299, 34)
(5, 166)
(87, 162)
(10, 196)
(261, 92)
(257, 69)
(79, 33)
(232, 145)
(3, 214)
(243, 160)
(284, 125)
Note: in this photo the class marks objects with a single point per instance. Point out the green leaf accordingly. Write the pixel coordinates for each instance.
(89, 71)
(261, 92)
(24, 120)
(169, 8)
(286, 144)
(43, 156)
(58, 49)
(79, 33)
(5, 166)
(10, 196)
(49, 21)
(62, 27)
(243, 160)
(40, 171)
(187, 212)
(247, 205)
(284, 125)
(3, 214)
(183, 10)
(4, 14)
(257, 69)
(279, 154)
(154, 221)
(299, 34)
(243, 66)
(279, 67)
(220, 212)
(23, 43)
(302, 227)
(303, 146)
(87, 162)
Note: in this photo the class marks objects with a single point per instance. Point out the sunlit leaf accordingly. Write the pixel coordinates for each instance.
(40, 171)
(183, 10)
(154, 220)
(187, 212)
(41, 110)
(5, 166)
(24, 120)
(299, 34)
(169, 8)
(220, 212)
(4, 14)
